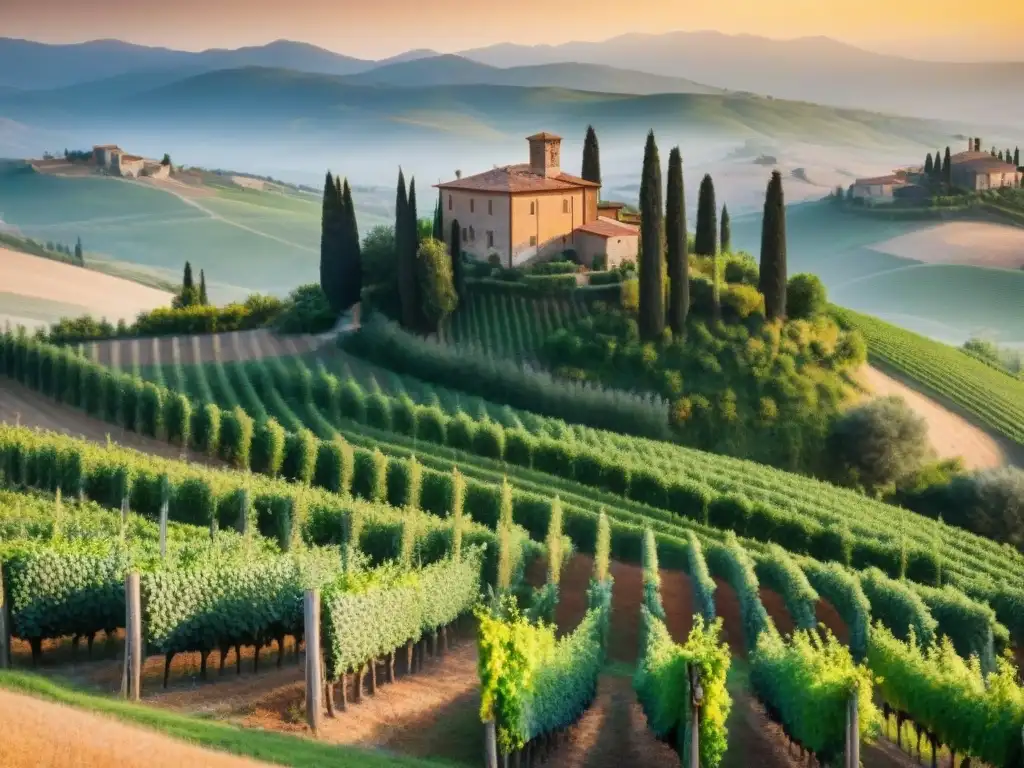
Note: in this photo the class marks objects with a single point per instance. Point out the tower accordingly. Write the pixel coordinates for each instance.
(545, 154)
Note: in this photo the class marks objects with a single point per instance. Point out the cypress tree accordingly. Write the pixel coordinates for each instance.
(187, 282)
(652, 295)
(455, 249)
(676, 242)
(350, 269)
(937, 169)
(328, 235)
(438, 219)
(706, 238)
(412, 219)
(947, 168)
(772, 283)
(1000, 155)
(1016, 157)
(204, 299)
(79, 256)
(591, 157)
(929, 167)
(404, 247)
(725, 242)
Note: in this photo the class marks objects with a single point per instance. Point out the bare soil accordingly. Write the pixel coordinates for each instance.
(20, 405)
(96, 293)
(233, 346)
(46, 735)
(979, 244)
(951, 434)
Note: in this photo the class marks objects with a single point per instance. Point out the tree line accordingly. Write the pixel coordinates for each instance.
(191, 295)
(664, 244)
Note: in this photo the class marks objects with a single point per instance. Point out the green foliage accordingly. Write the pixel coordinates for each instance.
(651, 313)
(300, 456)
(843, 591)
(806, 297)
(206, 429)
(151, 410)
(772, 282)
(436, 286)
(268, 444)
(973, 714)
(178, 419)
(777, 571)
(236, 437)
(806, 683)
(306, 310)
(700, 579)
(898, 606)
(735, 566)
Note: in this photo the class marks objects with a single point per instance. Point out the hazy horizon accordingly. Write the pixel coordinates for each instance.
(935, 31)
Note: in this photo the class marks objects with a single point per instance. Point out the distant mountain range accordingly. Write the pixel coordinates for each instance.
(281, 102)
(818, 69)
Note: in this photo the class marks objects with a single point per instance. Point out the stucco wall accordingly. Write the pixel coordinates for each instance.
(617, 249)
(550, 222)
(472, 211)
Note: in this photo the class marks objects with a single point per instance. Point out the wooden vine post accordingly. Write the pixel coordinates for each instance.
(5, 623)
(165, 504)
(696, 700)
(491, 744)
(131, 681)
(314, 676)
(853, 730)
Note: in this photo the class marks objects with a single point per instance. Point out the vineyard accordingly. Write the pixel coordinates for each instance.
(994, 397)
(507, 325)
(374, 497)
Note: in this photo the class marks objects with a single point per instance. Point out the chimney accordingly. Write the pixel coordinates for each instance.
(458, 174)
(545, 154)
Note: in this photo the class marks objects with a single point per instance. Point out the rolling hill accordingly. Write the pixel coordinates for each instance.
(255, 99)
(815, 69)
(457, 70)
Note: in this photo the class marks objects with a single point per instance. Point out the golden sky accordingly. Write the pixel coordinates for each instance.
(935, 29)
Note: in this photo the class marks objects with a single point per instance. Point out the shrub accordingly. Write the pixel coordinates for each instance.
(92, 389)
(554, 457)
(131, 395)
(300, 455)
(461, 431)
(806, 297)
(236, 436)
(178, 418)
(741, 301)
(352, 401)
(648, 487)
(335, 462)
(689, 499)
(378, 411)
(306, 311)
(730, 512)
(151, 410)
(370, 477)
(206, 429)
(436, 493)
(326, 391)
(742, 269)
(111, 396)
(489, 440)
(876, 444)
(519, 447)
(431, 424)
(403, 415)
(268, 447)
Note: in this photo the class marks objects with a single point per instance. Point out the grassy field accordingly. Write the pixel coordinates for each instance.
(992, 396)
(245, 240)
(944, 301)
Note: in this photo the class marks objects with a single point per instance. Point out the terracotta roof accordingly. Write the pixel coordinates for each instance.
(981, 161)
(543, 135)
(611, 205)
(106, 146)
(516, 178)
(603, 227)
(880, 180)
(130, 158)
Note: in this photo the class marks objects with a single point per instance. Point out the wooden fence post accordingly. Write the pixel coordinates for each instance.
(5, 623)
(131, 681)
(313, 675)
(490, 744)
(696, 700)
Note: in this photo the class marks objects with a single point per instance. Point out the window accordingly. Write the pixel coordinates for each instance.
(490, 206)
(490, 239)
(533, 208)
(565, 206)
(449, 202)
(471, 202)
(472, 235)
(533, 241)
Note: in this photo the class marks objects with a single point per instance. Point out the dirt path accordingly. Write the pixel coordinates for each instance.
(951, 434)
(41, 734)
(20, 405)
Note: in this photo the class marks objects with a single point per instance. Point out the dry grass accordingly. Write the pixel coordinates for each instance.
(94, 292)
(41, 734)
(974, 243)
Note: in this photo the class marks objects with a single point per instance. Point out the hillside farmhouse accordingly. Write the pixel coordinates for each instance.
(115, 160)
(533, 211)
(979, 171)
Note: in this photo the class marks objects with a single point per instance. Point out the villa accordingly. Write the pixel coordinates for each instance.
(534, 211)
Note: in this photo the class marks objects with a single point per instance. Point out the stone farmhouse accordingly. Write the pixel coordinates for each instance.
(973, 170)
(534, 212)
(116, 161)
